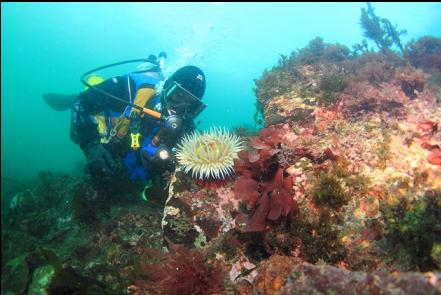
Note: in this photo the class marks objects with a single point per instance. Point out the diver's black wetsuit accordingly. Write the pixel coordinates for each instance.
(84, 130)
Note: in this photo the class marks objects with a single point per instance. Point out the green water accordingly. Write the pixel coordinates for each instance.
(47, 46)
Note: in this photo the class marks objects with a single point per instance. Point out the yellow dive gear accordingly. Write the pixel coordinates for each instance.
(94, 80)
(121, 124)
(133, 105)
(135, 140)
(138, 106)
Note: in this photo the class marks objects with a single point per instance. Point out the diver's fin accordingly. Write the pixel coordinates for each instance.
(59, 102)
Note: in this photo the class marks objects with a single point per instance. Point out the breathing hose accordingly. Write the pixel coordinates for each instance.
(144, 110)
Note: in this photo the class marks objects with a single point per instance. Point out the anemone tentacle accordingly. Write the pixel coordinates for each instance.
(209, 154)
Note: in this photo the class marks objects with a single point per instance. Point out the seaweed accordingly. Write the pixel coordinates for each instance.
(318, 51)
(245, 131)
(268, 201)
(380, 30)
(181, 271)
(383, 150)
(312, 52)
(330, 85)
(360, 48)
(327, 191)
(425, 53)
(258, 115)
(320, 240)
(288, 71)
(412, 81)
(336, 53)
(414, 227)
(263, 185)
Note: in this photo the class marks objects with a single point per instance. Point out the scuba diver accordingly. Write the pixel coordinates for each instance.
(128, 126)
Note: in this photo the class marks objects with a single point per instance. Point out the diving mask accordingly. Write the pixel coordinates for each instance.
(182, 101)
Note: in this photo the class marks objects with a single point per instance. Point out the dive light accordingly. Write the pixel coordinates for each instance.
(163, 153)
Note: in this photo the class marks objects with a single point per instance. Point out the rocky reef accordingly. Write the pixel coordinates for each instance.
(339, 192)
(63, 237)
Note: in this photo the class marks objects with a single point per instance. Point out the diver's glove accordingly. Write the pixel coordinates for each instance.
(99, 160)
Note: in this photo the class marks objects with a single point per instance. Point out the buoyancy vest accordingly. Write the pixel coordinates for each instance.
(116, 124)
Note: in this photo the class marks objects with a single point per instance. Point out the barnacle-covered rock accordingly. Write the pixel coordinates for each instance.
(288, 107)
(325, 279)
(195, 213)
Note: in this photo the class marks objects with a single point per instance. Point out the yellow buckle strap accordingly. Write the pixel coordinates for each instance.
(135, 140)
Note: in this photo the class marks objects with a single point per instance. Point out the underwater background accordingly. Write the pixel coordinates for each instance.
(326, 179)
(47, 46)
